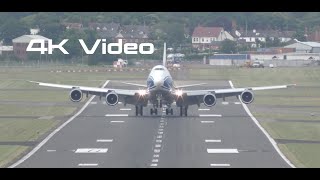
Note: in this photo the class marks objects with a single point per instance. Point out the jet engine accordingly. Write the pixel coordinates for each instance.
(112, 99)
(247, 97)
(75, 95)
(209, 99)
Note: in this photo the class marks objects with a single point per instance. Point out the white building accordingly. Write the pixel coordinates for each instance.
(203, 37)
(305, 47)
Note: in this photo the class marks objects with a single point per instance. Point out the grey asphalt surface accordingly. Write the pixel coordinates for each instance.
(159, 141)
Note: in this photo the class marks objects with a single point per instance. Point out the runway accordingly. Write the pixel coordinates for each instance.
(110, 137)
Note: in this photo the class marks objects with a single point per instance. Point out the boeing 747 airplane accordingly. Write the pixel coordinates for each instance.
(160, 90)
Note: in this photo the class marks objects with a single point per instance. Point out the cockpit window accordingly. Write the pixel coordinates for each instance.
(158, 69)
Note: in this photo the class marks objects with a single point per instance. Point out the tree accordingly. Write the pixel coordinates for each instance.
(299, 35)
(52, 30)
(228, 46)
(11, 29)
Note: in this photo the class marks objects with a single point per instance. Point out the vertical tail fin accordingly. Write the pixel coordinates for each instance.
(164, 61)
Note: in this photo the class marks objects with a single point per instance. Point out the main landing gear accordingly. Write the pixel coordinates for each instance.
(139, 110)
(169, 111)
(154, 111)
(184, 110)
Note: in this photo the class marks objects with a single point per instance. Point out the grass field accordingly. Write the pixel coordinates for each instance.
(269, 106)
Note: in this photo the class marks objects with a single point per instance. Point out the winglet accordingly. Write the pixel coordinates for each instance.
(34, 82)
(291, 85)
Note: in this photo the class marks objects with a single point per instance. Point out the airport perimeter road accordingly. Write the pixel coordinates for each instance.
(105, 136)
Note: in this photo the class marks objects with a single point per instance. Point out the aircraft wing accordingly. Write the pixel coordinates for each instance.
(191, 97)
(126, 96)
(233, 91)
(90, 90)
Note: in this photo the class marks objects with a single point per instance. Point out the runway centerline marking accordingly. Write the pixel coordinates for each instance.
(203, 109)
(91, 150)
(225, 103)
(156, 155)
(237, 102)
(213, 140)
(104, 140)
(125, 109)
(154, 165)
(54, 132)
(220, 165)
(157, 145)
(93, 103)
(210, 115)
(207, 121)
(116, 121)
(158, 141)
(222, 151)
(87, 164)
(155, 160)
(51, 150)
(117, 115)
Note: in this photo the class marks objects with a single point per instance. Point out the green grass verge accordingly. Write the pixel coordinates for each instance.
(302, 155)
(8, 153)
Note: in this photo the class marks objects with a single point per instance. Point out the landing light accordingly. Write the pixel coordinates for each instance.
(179, 92)
(142, 92)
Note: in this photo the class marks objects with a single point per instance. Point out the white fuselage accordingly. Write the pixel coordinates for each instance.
(159, 83)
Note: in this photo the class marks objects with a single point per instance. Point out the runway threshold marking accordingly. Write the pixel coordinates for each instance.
(104, 140)
(225, 103)
(82, 165)
(51, 150)
(117, 115)
(222, 151)
(54, 132)
(207, 121)
(219, 165)
(213, 140)
(272, 141)
(92, 150)
(116, 121)
(210, 115)
(203, 109)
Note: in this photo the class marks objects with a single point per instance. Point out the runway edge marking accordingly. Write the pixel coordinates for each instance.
(54, 132)
(273, 142)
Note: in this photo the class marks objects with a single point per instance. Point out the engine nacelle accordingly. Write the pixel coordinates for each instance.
(112, 99)
(209, 100)
(75, 95)
(247, 97)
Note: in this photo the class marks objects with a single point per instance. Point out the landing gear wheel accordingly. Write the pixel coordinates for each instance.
(137, 111)
(151, 111)
(160, 102)
(186, 111)
(181, 111)
(167, 111)
(156, 111)
(141, 110)
(171, 111)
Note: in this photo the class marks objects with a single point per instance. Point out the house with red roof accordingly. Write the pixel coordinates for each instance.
(209, 37)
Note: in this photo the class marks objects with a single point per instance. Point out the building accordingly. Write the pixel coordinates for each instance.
(314, 36)
(134, 34)
(305, 47)
(228, 59)
(202, 37)
(6, 50)
(73, 25)
(106, 30)
(34, 31)
(20, 44)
